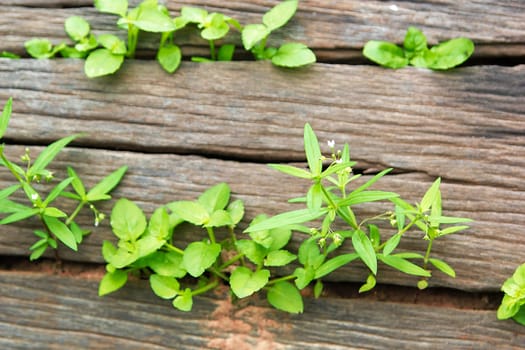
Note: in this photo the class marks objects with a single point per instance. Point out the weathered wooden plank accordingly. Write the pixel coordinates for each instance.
(62, 312)
(466, 125)
(483, 257)
(335, 29)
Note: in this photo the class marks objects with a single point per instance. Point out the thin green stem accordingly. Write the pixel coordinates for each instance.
(280, 279)
(213, 54)
(133, 33)
(173, 248)
(205, 288)
(218, 274)
(211, 234)
(427, 254)
(72, 217)
(7, 163)
(405, 229)
(231, 261)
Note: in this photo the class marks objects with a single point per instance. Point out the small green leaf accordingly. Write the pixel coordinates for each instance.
(391, 244)
(39, 48)
(76, 27)
(279, 258)
(403, 265)
(127, 220)
(443, 267)
(198, 256)
(219, 218)
(76, 182)
(54, 212)
(365, 250)
(106, 185)
(244, 282)
(112, 43)
(193, 14)
(167, 264)
(6, 192)
(415, 41)
(314, 197)
(312, 150)
(169, 57)
(287, 218)
(453, 229)
(192, 212)
(385, 54)
(365, 197)
(116, 7)
(77, 232)
(236, 211)
(57, 190)
(304, 276)
(318, 289)
(369, 285)
(253, 251)
(48, 154)
(215, 198)
(10, 55)
(184, 301)
(159, 224)
(451, 53)
(309, 253)
(19, 215)
(334, 263)
(375, 236)
(280, 237)
(508, 308)
(252, 34)
(112, 281)
(6, 116)
(285, 296)
(520, 316)
(61, 231)
(225, 53)
(102, 62)
(38, 251)
(280, 14)
(291, 170)
(430, 195)
(108, 251)
(151, 19)
(293, 55)
(164, 287)
(372, 181)
(85, 45)
(422, 284)
(216, 27)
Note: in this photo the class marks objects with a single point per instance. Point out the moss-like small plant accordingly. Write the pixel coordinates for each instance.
(513, 303)
(415, 52)
(57, 224)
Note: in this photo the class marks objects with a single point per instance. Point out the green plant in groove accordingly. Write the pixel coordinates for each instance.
(512, 304)
(57, 224)
(249, 262)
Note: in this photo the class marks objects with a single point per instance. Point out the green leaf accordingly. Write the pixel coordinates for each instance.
(169, 57)
(127, 220)
(184, 301)
(403, 265)
(365, 250)
(253, 251)
(365, 197)
(391, 244)
(193, 14)
(57, 190)
(215, 198)
(400, 218)
(151, 19)
(279, 258)
(291, 170)
(163, 286)
(520, 316)
(372, 181)
(430, 195)
(102, 62)
(443, 267)
(216, 27)
(219, 218)
(19, 215)
(309, 253)
(519, 276)
(106, 184)
(54, 212)
(192, 212)
(369, 285)
(198, 256)
(508, 308)
(415, 41)
(76, 182)
(293, 55)
(8, 206)
(334, 263)
(451, 53)
(287, 218)
(112, 43)
(6, 192)
(10, 55)
(375, 236)
(108, 251)
(312, 151)
(48, 154)
(38, 251)
(76, 27)
(280, 14)
(167, 264)
(85, 45)
(112, 281)
(314, 197)
(116, 7)
(252, 34)
(39, 48)
(385, 54)
(280, 236)
(236, 211)
(304, 276)
(318, 289)
(244, 282)
(6, 116)
(77, 232)
(285, 296)
(159, 224)
(61, 231)
(225, 53)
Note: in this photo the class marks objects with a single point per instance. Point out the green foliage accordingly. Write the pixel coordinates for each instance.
(415, 52)
(512, 305)
(58, 225)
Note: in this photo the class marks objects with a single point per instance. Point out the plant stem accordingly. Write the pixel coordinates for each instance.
(231, 261)
(174, 249)
(211, 234)
(212, 50)
(218, 274)
(75, 213)
(133, 33)
(427, 254)
(205, 288)
(280, 279)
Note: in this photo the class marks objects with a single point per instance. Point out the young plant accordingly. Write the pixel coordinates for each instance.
(255, 36)
(512, 305)
(415, 52)
(57, 224)
(214, 26)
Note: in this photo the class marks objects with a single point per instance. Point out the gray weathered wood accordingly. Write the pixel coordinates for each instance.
(336, 29)
(483, 257)
(466, 125)
(38, 311)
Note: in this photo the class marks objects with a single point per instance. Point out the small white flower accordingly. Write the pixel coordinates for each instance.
(331, 143)
(35, 197)
(393, 8)
(339, 161)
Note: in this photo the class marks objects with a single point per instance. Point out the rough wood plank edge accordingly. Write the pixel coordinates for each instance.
(60, 312)
(326, 26)
(483, 257)
(466, 125)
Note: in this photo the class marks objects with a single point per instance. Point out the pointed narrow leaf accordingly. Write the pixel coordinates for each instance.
(365, 250)
(312, 150)
(403, 265)
(57, 190)
(391, 244)
(19, 215)
(6, 115)
(443, 267)
(37, 252)
(76, 183)
(6, 192)
(314, 197)
(365, 197)
(112, 281)
(333, 264)
(430, 195)
(61, 231)
(49, 153)
(372, 180)
(291, 170)
(287, 218)
(107, 184)
(286, 297)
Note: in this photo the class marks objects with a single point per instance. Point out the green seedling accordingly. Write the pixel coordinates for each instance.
(214, 26)
(7, 54)
(255, 36)
(247, 262)
(512, 305)
(57, 224)
(415, 52)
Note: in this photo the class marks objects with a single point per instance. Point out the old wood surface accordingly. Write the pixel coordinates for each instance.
(40, 311)
(336, 30)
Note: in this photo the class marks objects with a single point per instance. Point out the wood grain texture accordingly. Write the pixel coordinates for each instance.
(337, 30)
(38, 311)
(483, 257)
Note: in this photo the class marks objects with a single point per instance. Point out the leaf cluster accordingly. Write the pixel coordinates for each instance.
(57, 224)
(105, 53)
(512, 305)
(415, 52)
